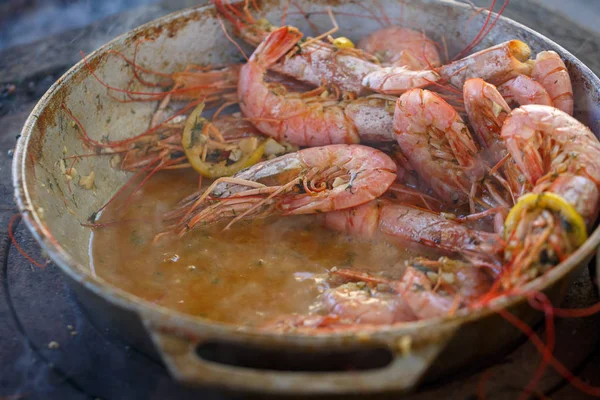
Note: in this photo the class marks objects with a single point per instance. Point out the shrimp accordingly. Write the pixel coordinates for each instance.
(560, 158)
(310, 181)
(427, 289)
(302, 120)
(523, 90)
(397, 46)
(437, 143)
(361, 304)
(487, 112)
(495, 65)
(551, 72)
(404, 225)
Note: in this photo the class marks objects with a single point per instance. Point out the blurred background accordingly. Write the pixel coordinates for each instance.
(25, 21)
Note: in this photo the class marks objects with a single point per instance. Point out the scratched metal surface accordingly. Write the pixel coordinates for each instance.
(37, 307)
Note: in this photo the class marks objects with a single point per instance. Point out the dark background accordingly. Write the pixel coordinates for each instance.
(39, 40)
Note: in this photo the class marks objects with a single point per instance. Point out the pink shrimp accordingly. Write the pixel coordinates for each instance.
(302, 120)
(313, 180)
(550, 70)
(407, 225)
(427, 289)
(487, 112)
(361, 304)
(523, 90)
(560, 158)
(397, 46)
(437, 143)
(495, 65)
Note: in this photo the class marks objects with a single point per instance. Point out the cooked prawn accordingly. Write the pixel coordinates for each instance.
(427, 289)
(550, 70)
(310, 181)
(437, 143)
(495, 65)
(407, 225)
(487, 112)
(300, 119)
(560, 158)
(398, 46)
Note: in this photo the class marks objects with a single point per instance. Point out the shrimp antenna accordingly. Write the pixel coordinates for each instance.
(486, 28)
(326, 34)
(284, 13)
(306, 17)
(230, 38)
(380, 20)
(19, 249)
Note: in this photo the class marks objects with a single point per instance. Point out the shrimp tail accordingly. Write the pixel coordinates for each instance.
(276, 45)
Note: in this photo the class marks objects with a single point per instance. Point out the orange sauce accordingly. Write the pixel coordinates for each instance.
(253, 272)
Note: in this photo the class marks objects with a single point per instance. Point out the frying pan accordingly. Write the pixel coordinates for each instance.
(200, 352)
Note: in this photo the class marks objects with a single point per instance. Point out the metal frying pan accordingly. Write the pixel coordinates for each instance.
(198, 351)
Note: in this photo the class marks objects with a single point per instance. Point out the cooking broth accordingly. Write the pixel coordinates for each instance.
(247, 275)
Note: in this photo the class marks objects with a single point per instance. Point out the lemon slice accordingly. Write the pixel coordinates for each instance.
(212, 170)
(553, 202)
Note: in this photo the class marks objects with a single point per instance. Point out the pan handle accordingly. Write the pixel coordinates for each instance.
(403, 371)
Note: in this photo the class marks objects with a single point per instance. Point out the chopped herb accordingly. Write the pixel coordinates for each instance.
(216, 281)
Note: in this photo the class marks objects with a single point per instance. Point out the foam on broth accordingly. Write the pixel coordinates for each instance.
(247, 275)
